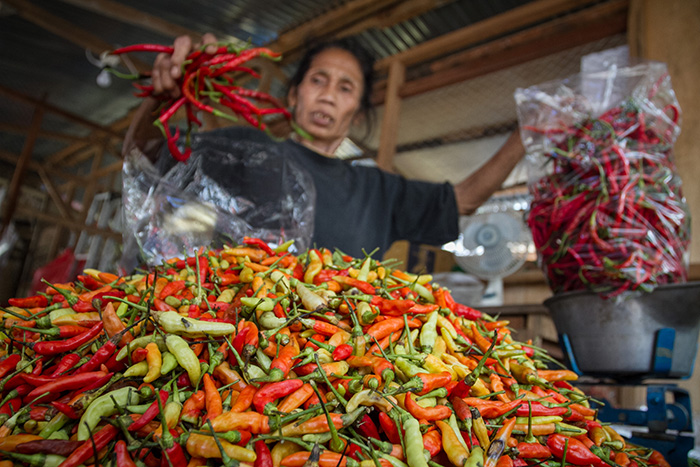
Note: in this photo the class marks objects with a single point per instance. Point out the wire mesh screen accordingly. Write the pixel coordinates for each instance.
(447, 133)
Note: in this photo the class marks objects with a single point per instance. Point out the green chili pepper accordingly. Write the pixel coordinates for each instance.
(185, 356)
(428, 333)
(414, 443)
(169, 363)
(104, 406)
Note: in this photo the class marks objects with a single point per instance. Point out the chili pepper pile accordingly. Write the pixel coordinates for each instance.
(610, 216)
(210, 77)
(252, 356)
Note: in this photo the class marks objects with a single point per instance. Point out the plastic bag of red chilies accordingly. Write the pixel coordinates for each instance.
(608, 214)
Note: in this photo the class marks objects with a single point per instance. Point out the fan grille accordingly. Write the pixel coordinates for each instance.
(492, 245)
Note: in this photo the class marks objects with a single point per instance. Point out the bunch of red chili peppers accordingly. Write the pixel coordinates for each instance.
(610, 216)
(251, 356)
(207, 79)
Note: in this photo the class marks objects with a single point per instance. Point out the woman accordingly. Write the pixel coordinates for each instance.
(357, 208)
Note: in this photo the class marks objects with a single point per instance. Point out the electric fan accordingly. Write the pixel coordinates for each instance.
(491, 245)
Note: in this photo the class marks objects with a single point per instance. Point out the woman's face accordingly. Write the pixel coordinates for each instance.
(328, 98)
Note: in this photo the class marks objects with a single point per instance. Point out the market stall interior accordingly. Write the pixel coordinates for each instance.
(448, 74)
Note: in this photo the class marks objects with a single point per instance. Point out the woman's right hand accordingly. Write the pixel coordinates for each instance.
(167, 68)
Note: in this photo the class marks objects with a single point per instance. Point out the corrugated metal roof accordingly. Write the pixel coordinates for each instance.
(37, 62)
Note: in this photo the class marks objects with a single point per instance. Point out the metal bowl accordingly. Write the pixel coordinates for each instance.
(653, 335)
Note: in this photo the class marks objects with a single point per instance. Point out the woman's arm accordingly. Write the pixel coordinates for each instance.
(478, 187)
(167, 69)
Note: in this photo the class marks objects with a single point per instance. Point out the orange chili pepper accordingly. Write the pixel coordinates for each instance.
(248, 421)
(439, 412)
(244, 399)
(213, 401)
(296, 399)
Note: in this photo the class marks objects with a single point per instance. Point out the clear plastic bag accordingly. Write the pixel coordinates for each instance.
(607, 212)
(228, 189)
(9, 239)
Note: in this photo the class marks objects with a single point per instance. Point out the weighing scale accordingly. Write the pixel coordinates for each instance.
(627, 342)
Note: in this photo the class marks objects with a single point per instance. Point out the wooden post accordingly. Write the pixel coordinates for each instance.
(13, 191)
(390, 122)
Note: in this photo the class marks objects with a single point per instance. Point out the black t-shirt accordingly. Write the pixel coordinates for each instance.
(362, 208)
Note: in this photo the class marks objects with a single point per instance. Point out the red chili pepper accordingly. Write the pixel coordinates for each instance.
(367, 428)
(533, 451)
(173, 454)
(143, 48)
(65, 383)
(273, 391)
(59, 347)
(92, 446)
(98, 383)
(362, 286)
(36, 301)
(9, 364)
(67, 362)
(389, 428)
(11, 406)
(576, 452)
(39, 414)
(89, 282)
(260, 244)
(539, 410)
(123, 457)
(83, 307)
(151, 412)
(67, 331)
(66, 409)
(342, 352)
(264, 457)
(392, 307)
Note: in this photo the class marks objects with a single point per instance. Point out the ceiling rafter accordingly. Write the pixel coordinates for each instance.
(510, 55)
(65, 29)
(558, 34)
(135, 17)
(18, 96)
(43, 134)
(495, 26)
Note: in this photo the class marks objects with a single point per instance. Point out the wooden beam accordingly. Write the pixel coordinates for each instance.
(393, 15)
(108, 170)
(328, 24)
(135, 17)
(81, 156)
(72, 225)
(13, 190)
(64, 210)
(43, 134)
(512, 55)
(602, 12)
(390, 120)
(57, 157)
(65, 29)
(530, 44)
(516, 18)
(117, 128)
(21, 97)
(35, 166)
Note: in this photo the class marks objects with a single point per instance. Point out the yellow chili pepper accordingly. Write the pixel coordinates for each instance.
(154, 360)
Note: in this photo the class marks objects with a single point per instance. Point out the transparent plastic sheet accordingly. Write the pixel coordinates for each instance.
(7, 244)
(226, 190)
(607, 214)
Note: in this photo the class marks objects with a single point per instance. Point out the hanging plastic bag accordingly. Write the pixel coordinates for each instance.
(608, 214)
(228, 189)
